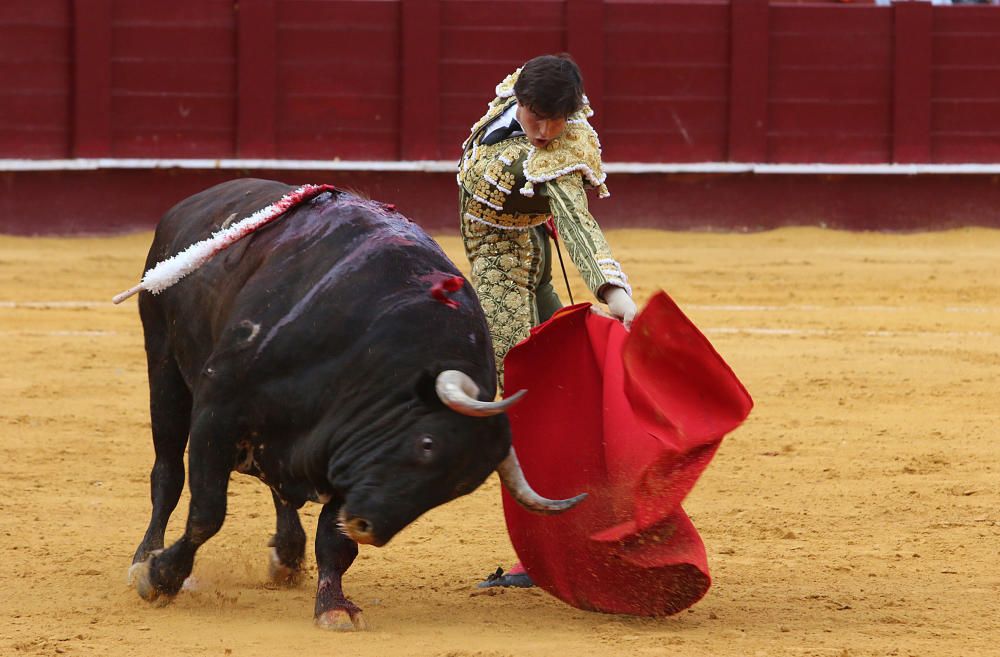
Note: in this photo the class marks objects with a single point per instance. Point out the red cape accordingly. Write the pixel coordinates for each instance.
(632, 418)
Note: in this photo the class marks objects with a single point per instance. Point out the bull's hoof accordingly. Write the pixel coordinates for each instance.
(340, 620)
(280, 574)
(137, 566)
(138, 576)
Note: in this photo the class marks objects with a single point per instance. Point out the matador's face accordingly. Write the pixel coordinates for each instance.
(540, 130)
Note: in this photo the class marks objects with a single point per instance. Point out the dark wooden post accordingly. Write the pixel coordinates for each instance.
(420, 80)
(911, 87)
(748, 77)
(585, 42)
(257, 75)
(91, 78)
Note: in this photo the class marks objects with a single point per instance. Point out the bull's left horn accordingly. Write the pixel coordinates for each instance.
(459, 392)
(513, 479)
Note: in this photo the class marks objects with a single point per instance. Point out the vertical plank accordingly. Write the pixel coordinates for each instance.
(91, 78)
(585, 42)
(257, 74)
(748, 79)
(911, 114)
(420, 80)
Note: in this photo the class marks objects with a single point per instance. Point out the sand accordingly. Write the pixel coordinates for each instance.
(854, 513)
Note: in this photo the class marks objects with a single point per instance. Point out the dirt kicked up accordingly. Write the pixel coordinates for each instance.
(855, 513)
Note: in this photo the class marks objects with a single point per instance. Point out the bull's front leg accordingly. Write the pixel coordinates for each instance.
(288, 545)
(210, 463)
(335, 553)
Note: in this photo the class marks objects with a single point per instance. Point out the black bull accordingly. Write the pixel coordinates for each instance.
(323, 355)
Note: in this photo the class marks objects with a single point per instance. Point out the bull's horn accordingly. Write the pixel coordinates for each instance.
(513, 479)
(459, 392)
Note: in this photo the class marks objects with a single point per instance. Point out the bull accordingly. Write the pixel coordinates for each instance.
(322, 355)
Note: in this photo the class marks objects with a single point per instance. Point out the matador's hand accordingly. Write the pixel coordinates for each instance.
(621, 305)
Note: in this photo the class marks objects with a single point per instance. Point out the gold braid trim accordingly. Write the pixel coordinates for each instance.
(577, 149)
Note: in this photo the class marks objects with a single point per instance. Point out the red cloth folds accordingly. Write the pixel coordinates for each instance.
(632, 418)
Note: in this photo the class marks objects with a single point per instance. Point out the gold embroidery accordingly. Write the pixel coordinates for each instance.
(584, 241)
(506, 181)
(485, 163)
(477, 212)
(506, 268)
(489, 193)
(506, 88)
(498, 176)
(515, 148)
(576, 149)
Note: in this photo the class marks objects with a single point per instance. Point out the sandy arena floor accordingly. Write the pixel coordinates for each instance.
(855, 513)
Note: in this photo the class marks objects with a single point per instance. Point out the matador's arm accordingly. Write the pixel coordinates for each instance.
(582, 236)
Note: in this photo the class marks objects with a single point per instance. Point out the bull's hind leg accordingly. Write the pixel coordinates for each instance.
(288, 545)
(170, 414)
(334, 555)
(211, 461)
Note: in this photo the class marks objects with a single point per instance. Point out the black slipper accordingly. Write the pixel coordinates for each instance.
(499, 578)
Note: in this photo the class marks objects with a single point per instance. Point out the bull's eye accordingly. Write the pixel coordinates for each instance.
(425, 448)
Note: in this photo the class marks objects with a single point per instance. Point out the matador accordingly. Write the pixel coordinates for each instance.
(520, 166)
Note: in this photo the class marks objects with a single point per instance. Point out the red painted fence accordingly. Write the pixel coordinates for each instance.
(672, 81)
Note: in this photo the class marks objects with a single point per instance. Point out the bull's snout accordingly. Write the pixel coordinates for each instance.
(358, 530)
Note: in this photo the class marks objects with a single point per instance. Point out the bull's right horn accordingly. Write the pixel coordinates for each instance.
(459, 392)
(513, 480)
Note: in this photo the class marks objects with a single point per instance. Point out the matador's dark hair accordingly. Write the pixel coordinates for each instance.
(550, 86)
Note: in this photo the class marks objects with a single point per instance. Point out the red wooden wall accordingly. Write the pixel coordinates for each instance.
(36, 79)
(672, 80)
(965, 85)
(830, 86)
(172, 82)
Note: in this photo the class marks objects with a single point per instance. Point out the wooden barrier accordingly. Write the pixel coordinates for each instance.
(678, 81)
(672, 81)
